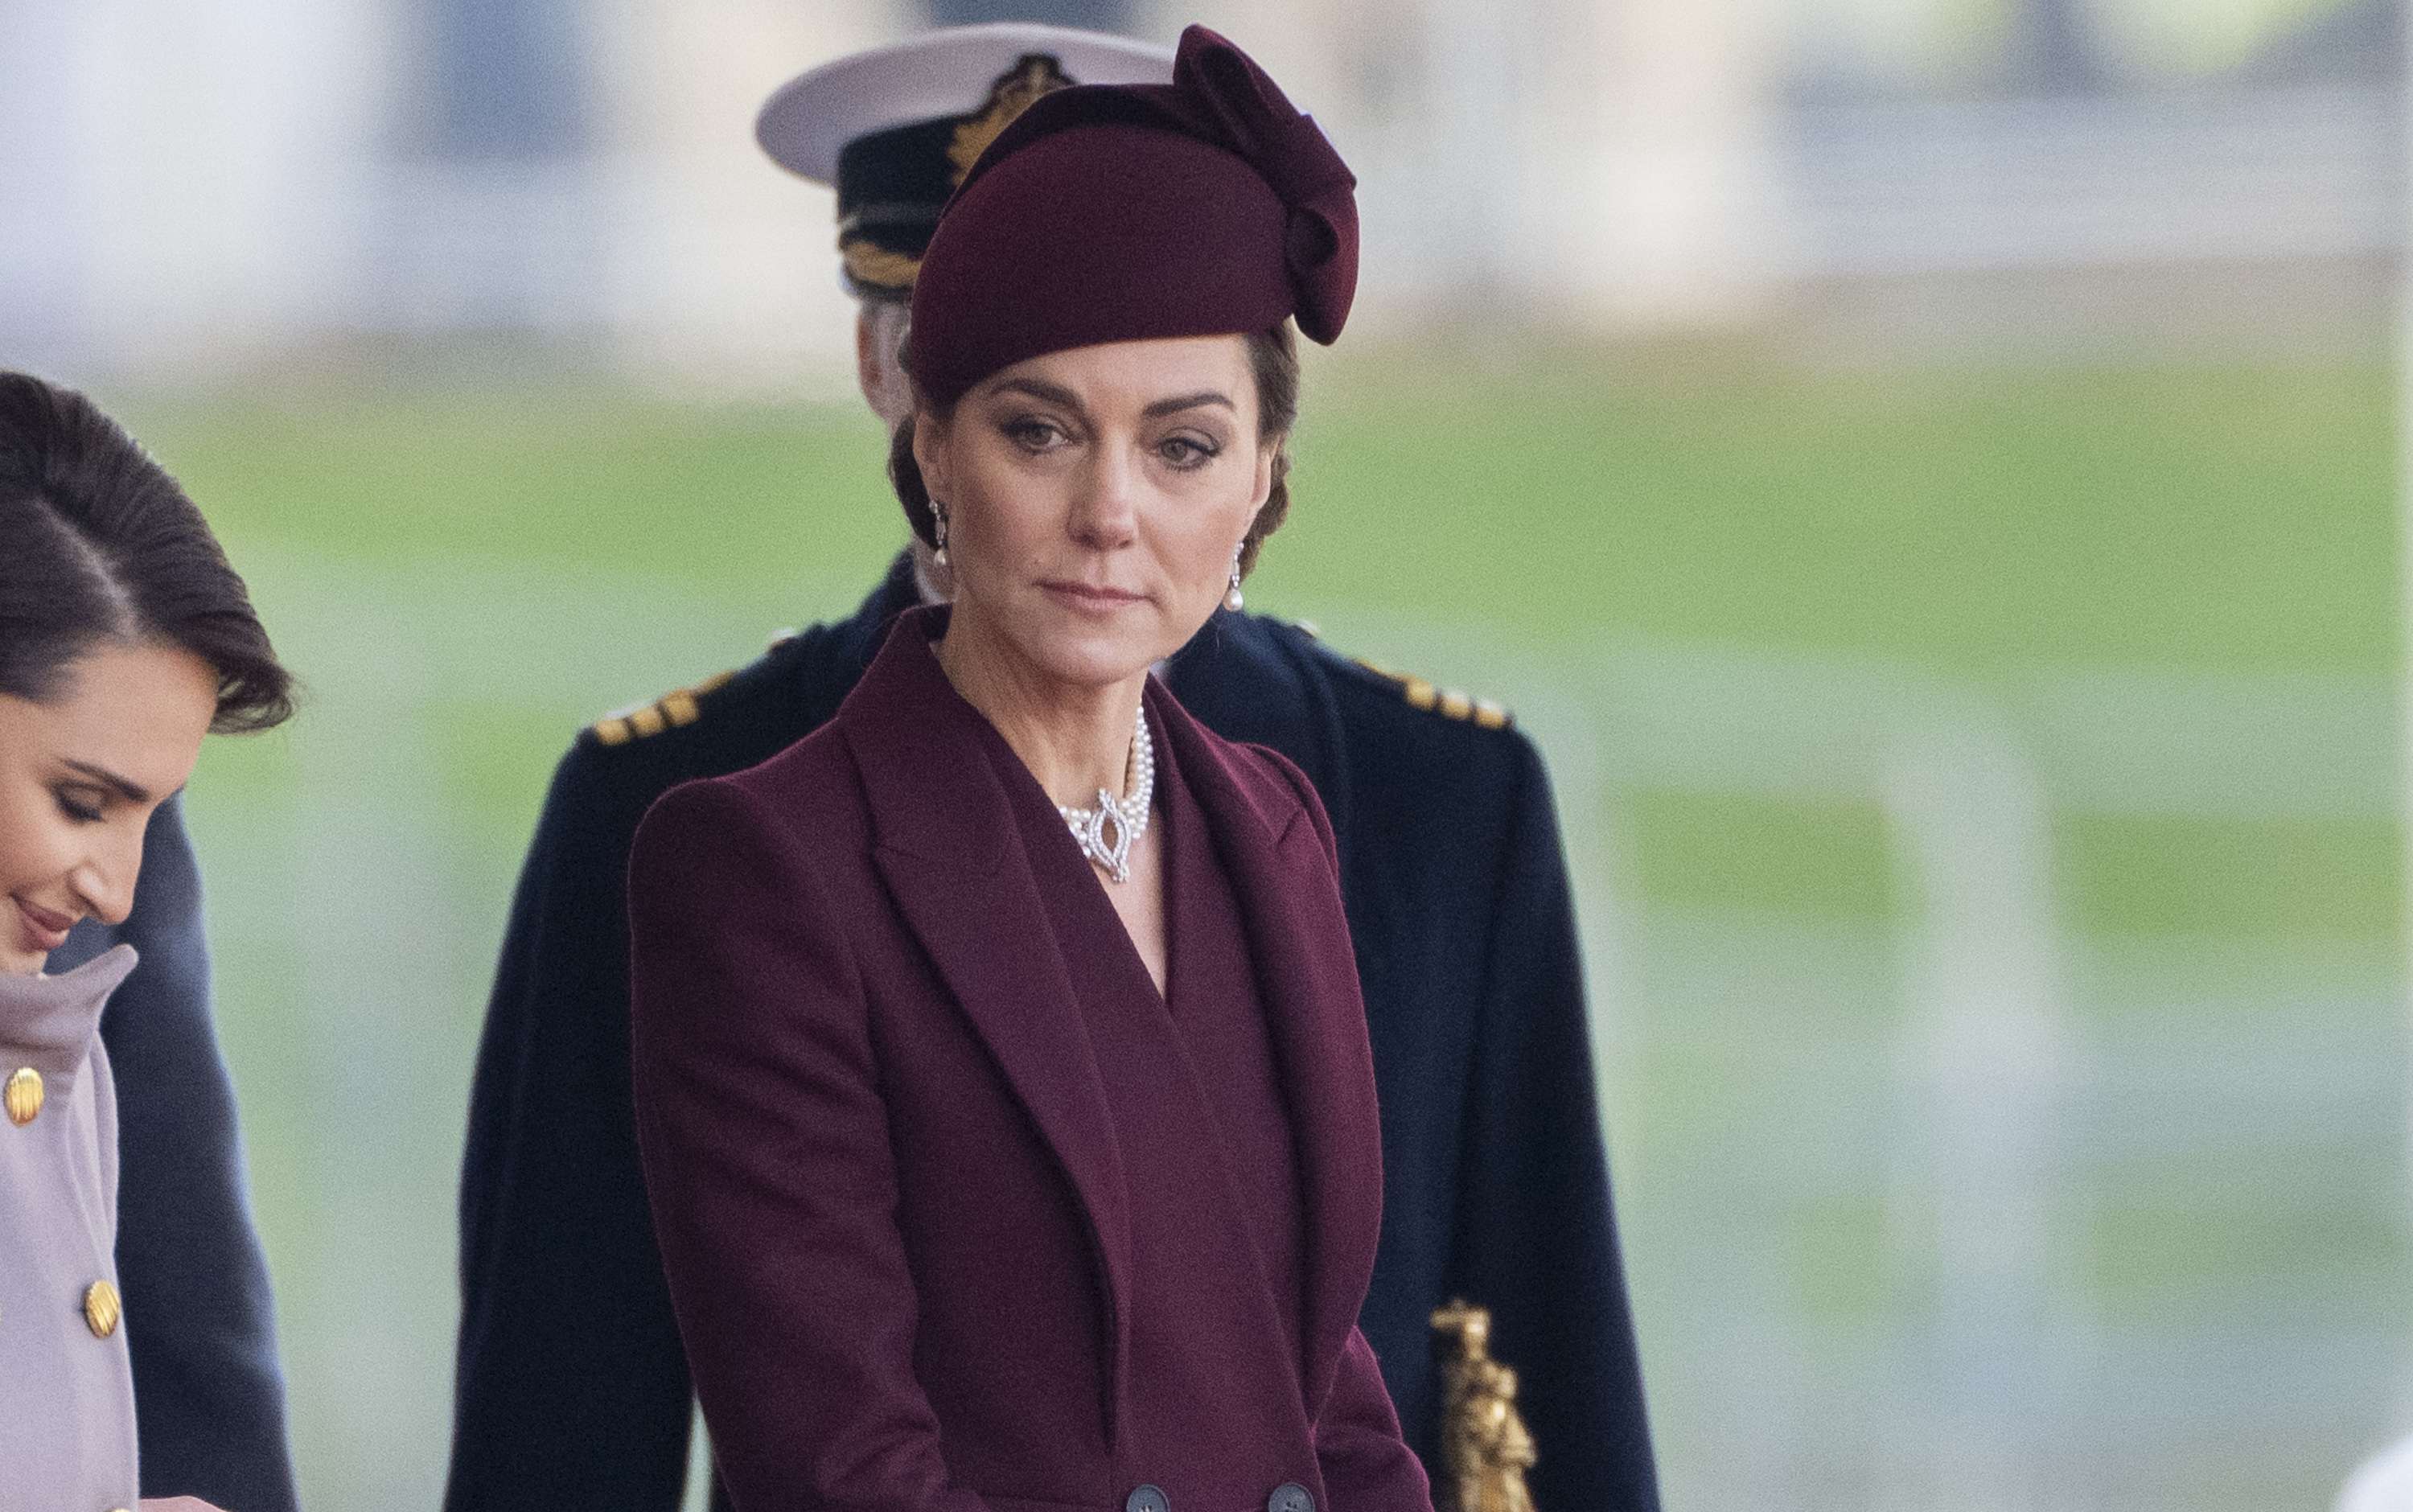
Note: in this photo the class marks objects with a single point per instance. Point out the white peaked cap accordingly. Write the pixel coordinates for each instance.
(943, 72)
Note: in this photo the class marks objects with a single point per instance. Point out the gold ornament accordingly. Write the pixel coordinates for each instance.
(1033, 74)
(23, 1095)
(101, 1309)
(867, 262)
(1485, 1446)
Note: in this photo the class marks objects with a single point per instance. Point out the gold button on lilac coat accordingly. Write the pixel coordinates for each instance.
(23, 1095)
(66, 1384)
(101, 1309)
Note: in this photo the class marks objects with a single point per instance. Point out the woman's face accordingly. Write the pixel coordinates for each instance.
(1095, 499)
(79, 779)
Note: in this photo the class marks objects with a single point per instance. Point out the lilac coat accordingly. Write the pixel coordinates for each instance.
(66, 1394)
(891, 1210)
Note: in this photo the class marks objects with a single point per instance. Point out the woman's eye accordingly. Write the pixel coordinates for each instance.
(1186, 452)
(78, 807)
(1032, 434)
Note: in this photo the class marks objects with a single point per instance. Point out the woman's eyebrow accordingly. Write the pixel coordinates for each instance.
(132, 792)
(1189, 401)
(1043, 392)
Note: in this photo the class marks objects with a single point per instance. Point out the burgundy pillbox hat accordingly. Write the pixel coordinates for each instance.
(1208, 206)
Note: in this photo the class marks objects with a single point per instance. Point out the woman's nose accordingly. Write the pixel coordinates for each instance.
(1104, 514)
(105, 883)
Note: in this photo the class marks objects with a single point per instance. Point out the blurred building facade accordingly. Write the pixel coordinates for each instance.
(189, 188)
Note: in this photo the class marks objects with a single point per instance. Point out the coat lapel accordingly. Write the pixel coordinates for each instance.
(1298, 941)
(946, 841)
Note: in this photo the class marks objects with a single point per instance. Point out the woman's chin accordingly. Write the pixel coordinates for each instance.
(1093, 666)
(1085, 652)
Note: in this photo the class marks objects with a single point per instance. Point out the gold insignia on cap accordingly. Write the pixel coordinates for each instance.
(1423, 693)
(867, 262)
(1033, 74)
(101, 1309)
(23, 1095)
(679, 707)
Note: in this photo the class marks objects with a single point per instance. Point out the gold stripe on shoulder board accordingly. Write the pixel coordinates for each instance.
(1449, 703)
(677, 708)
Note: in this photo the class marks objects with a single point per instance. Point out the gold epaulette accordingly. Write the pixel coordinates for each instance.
(680, 706)
(1447, 701)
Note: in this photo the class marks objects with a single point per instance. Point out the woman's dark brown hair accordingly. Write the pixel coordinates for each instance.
(1273, 362)
(98, 545)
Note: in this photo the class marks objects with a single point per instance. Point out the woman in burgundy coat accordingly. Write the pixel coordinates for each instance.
(1002, 1078)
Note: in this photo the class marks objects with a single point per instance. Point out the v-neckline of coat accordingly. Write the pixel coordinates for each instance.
(1129, 963)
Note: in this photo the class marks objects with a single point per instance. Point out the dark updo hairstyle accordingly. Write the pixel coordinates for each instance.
(1273, 362)
(99, 546)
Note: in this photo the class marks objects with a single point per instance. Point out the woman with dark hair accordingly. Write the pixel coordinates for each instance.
(1002, 1076)
(125, 638)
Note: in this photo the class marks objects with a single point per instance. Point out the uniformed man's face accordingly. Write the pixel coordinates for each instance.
(80, 777)
(1095, 499)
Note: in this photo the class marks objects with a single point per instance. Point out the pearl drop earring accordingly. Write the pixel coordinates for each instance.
(1232, 599)
(938, 530)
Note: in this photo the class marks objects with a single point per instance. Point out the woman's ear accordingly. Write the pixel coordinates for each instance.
(1265, 484)
(931, 454)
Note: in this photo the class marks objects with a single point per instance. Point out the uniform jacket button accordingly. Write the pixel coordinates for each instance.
(1148, 1499)
(1289, 1497)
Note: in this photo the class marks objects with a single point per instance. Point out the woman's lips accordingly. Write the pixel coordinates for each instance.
(44, 931)
(1090, 596)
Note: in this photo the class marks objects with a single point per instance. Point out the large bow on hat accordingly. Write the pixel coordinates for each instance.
(1220, 97)
(1236, 102)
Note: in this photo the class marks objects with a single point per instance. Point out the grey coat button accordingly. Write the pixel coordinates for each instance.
(1290, 1496)
(1148, 1499)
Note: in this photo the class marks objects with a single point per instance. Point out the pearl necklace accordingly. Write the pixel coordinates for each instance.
(1127, 814)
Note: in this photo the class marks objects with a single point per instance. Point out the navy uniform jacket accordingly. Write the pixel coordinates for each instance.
(208, 1397)
(571, 1389)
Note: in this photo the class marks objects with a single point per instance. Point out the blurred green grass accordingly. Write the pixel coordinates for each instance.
(2234, 517)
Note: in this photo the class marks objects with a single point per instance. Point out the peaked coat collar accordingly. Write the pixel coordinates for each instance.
(940, 779)
(49, 1022)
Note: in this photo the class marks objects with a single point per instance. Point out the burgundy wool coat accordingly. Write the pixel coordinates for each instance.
(894, 1215)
